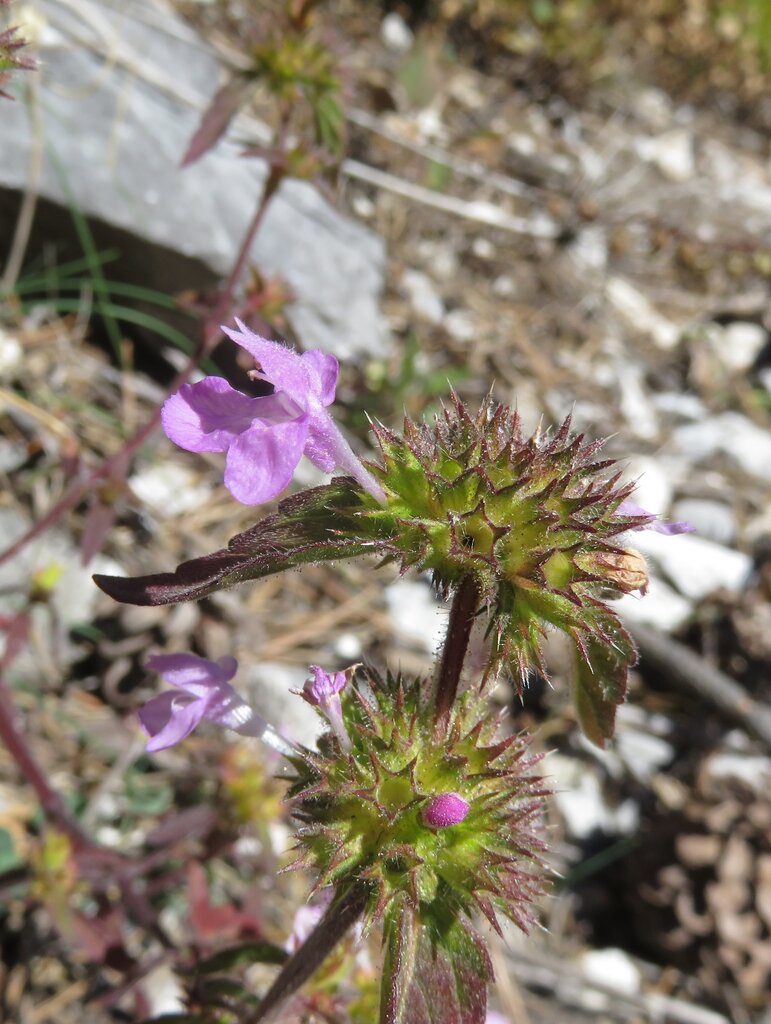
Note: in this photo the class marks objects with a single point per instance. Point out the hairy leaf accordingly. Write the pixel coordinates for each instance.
(436, 968)
(601, 669)
(317, 525)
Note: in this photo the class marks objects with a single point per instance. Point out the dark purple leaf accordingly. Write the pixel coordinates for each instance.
(316, 525)
(216, 118)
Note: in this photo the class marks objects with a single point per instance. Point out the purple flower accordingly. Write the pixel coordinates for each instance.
(445, 810)
(202, 691)
(630, 508)
(322, 691)
(265, 437)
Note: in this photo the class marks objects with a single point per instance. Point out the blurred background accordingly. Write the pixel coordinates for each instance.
(567, 202)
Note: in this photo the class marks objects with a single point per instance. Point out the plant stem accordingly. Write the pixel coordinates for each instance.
(51, 802)
(220, 311)
(210, 332)
(462, 613)
(333, 926)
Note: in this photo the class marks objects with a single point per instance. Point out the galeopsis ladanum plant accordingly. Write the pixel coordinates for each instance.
(416, 811)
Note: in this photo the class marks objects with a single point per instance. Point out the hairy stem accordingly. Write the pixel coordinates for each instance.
(462, 613)
(342, 915)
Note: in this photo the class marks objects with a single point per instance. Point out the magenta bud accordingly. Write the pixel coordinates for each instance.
(445, 810)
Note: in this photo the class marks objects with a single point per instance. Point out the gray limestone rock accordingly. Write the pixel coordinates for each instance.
(121, 88)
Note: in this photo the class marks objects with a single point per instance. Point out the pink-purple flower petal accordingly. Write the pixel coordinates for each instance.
(631, 508)
(191, 673)
(207, 416)
(170, 717)
(326, 370)
(261, 461)
(280, 365)
(266, 437)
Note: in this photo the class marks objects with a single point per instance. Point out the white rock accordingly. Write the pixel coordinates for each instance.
(654, 107)
(521, 143)
(483, 248)
(671, 152)
(414, 613)
(662, 607)
(10, 353)
(612, 968)
(580, 800)
(395, 34)
(635, 403)
(423, 296)
(363, 207)
(654, 483)
(163, 991)
(754, 770)
(136, 78)
(680, 405)
(764, 378)
(505, 286)
(590, 249)
(169, 489)
(729, 434)
(642, 752)
(461, 325)
(738, 344)
(696, 567)
(713, 520)
(348, 647)
(639, 314)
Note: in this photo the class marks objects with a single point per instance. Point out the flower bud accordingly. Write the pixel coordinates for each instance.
(445, 810)
(625, 571)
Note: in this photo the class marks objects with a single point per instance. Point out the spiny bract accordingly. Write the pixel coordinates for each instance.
(534, 522)
(361, 812)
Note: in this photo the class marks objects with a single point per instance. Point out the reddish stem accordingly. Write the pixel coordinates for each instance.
(462, 613)
(209, 335)
(53, 806)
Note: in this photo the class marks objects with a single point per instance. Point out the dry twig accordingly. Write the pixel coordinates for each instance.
(691, 673)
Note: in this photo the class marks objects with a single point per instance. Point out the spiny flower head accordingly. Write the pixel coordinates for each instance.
(448, 818)
(536, 522)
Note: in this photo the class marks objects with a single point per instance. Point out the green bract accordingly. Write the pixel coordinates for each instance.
(534, 522)
(361, 812)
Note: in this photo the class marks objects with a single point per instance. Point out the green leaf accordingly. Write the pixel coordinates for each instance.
(242, 956)
(602, 660)
(227, 992)
(436, 967)
(321, 524)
